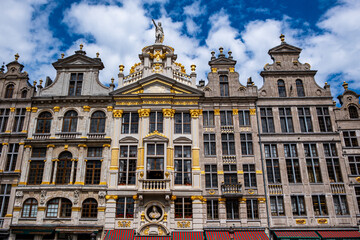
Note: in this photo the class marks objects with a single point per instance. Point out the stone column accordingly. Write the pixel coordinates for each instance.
(110, 211)
(81, 166)
(222, 211)
(242, 211)
(114, 163)
(5, 148)
(104, 164)
(84, 127)
(11, 120)
(169, 132)
(19, 158)
(25, 165)
(143, 130)
(72, 170)
(56, 123)
(53, 180)
(27, 120)
(195, 147)
(48, 164)
(197, 205)
(262, 210)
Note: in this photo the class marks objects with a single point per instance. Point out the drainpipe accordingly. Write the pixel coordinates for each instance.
(263, 169)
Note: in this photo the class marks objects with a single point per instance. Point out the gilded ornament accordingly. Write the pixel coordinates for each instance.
(86, 108)
(194, 113)
(211, 191)
(121, 68)
(184, 224)
(242, 200)
(214, 70)
(165, 217)
(261, 200)
(117, 113)
(114, 197)
(12, 109)
(124, 224)
(144, 112)
(252, 111)
(193, 67)
(173, 198)
(231, 69)
(34, 109)
(168, 112)
(216, 112)
(16, 56)
(222, 200)
(56, 109)
(81, 145)
(28, 109)
(142, 216)
(235, 111)
(251, 191)
(357, 179)
(322, 221)
(300, 221)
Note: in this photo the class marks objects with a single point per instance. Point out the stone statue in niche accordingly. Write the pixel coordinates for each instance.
(154, 213)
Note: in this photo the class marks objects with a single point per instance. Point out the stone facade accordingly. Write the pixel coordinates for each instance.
(160, 154)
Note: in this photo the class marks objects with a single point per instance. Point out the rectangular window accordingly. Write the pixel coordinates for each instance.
(19, 119)
(298, 205)
(209, 144)
(324, 119)
(252, 209)
(246, 144)
(94, 152)
(130, 123)
(249, 175)
(312, 163)
(232, 209)
(226, 118)
(319, 203)
(292, 163)
(286, 120)
(277, 206)
(75, 84)
(4, 118)
(350, 139)
(228, 144)
(5, 190)
(305, 119)
(354, 162)
(183, 208)
(93, 170)
(12, 156)
(36, 170)
(125, 207)
(155, 161)
(272, 163)
(340, 204)
(127, 165)
(182, 161)
(38, 153)
(212, 209)
(267, 120)
(208, 118)
(224, 86)
(211, 176)
(357, 193)
(332, 162)
(156, 122)
(244, 118)
(230, 174)
(182, 123)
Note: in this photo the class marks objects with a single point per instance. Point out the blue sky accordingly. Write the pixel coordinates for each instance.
(328, 31)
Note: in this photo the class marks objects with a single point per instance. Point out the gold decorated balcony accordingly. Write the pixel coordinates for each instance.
(227, 129)
(231, 189)
(275, 189)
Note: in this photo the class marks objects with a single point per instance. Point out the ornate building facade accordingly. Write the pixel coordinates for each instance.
(164, 155)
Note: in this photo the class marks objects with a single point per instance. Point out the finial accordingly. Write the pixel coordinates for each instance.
(62, 56)
(97, 54)
(16, 57)
(193, 67)
(212, 53)
(2, 69)
(121, 68)
(81, 46)
(282, 37)
(230, 52)
(35, 82)
(345, 85)
(41, 81)
(221, 49)
(112, 80)
(326, 84)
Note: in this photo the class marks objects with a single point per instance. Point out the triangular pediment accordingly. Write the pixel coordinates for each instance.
(222, 61)
(285, 48)
(78, 60)
(157, 84)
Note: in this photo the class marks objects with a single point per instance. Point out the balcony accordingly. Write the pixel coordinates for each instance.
(337, 188)
(96, 135)
(41, 136)
(68, 135)
(155, 185)
(275, 189)
(227, 129)
(229, 159)
(231, 189)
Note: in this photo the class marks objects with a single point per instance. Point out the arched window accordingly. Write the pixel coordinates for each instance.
(97, 124)
(24, 94)
(9, 91)
(281, 88)
(224, 86)
(59, 207)
(70, 121)
(353, 112)
(63, 169)
(44, 122)
(300, 88)
(30, 208)
(89, 208)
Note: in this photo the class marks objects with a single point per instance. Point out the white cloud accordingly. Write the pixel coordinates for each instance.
(195, 10)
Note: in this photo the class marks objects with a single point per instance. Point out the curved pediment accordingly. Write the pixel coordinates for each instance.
(183, 140)
(128, 139)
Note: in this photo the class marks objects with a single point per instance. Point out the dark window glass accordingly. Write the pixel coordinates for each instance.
(230, 174)
(298, 205)
(182, 123)
(357, 193)
(267, 120)
(212, 209)
(354, 162)
(286, 120)
(292, 163)
(44, 122)
(183, 208)
(156, 122)
(312, 163)
(182, 160)
(249, 175)
(9, 91)
(12, 156)
(208, 118)
(59, 207)
(324, 119)
(75, 85)
(93, 170)
(23, 94)
(94, 152)
(281, 88)
(5, 190)
(97, 122)
(244, 118)
(211, 176)
(130, 123)
(228, 144)
(252, 209)
(89, 208)
(332, 162)
(232, 209)
(246, 144)
(30, 208)
(209, 144)
(305, 119)
(70, 121)
(319, 204)
(4, 118)
(36, 170)
(340, 204)
(19, 119)
(155, 161)
(353, 112)
(272, 163)
(226, 118)
(125, 207)
(277, 206)
(64, 166)
(127, 165)
(350, 139)
(224, 86)
(300, 88)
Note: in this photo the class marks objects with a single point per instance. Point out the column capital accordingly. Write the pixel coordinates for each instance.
(86, 108)
(235, 111)
(56, 109)
(216, 111)
(144, 112)
(117, 113)
(195, 113)
(50, 146)
(252, 111)
(168, 112)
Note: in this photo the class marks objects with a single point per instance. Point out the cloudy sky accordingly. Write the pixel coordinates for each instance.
(328, 31)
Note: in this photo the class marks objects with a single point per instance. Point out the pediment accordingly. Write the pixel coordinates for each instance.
(222, 61)
(129, 139)
(78, 60)
(157, 84)
(183, 140)
(285, 48)
(155, 137)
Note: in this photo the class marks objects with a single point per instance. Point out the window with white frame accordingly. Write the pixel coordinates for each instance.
(156, 121)
(312, 163)
(155, 161)
(59, 208)
(30, 208)
(127, 165)
(182, 160)
(286, 120)
(305, 119)
(272, 163)
(209, 144)
(212, 209)
(332, 162)
(292, 163)
(12, 156)
(182, 123)
(350, 139)
(298, 205)
(124, 207)
(319, 204)
(277, 206)
(340, 204)
(211, 180)
(130, 123)
(246, 144)
(183, 208)
(19, 119)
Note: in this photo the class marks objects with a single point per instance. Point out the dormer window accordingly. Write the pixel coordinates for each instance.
(9, 91)
(353, 113)
(75, 85)
(24, 94)
(281, 88)
(224, 86)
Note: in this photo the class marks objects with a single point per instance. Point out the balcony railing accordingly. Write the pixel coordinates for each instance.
(96, 135)
(337, 188)
(231, 189)
(41, 135)
(68, 135)
(227, 129)
(155, 185)
(229, 158)
(275, 189)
